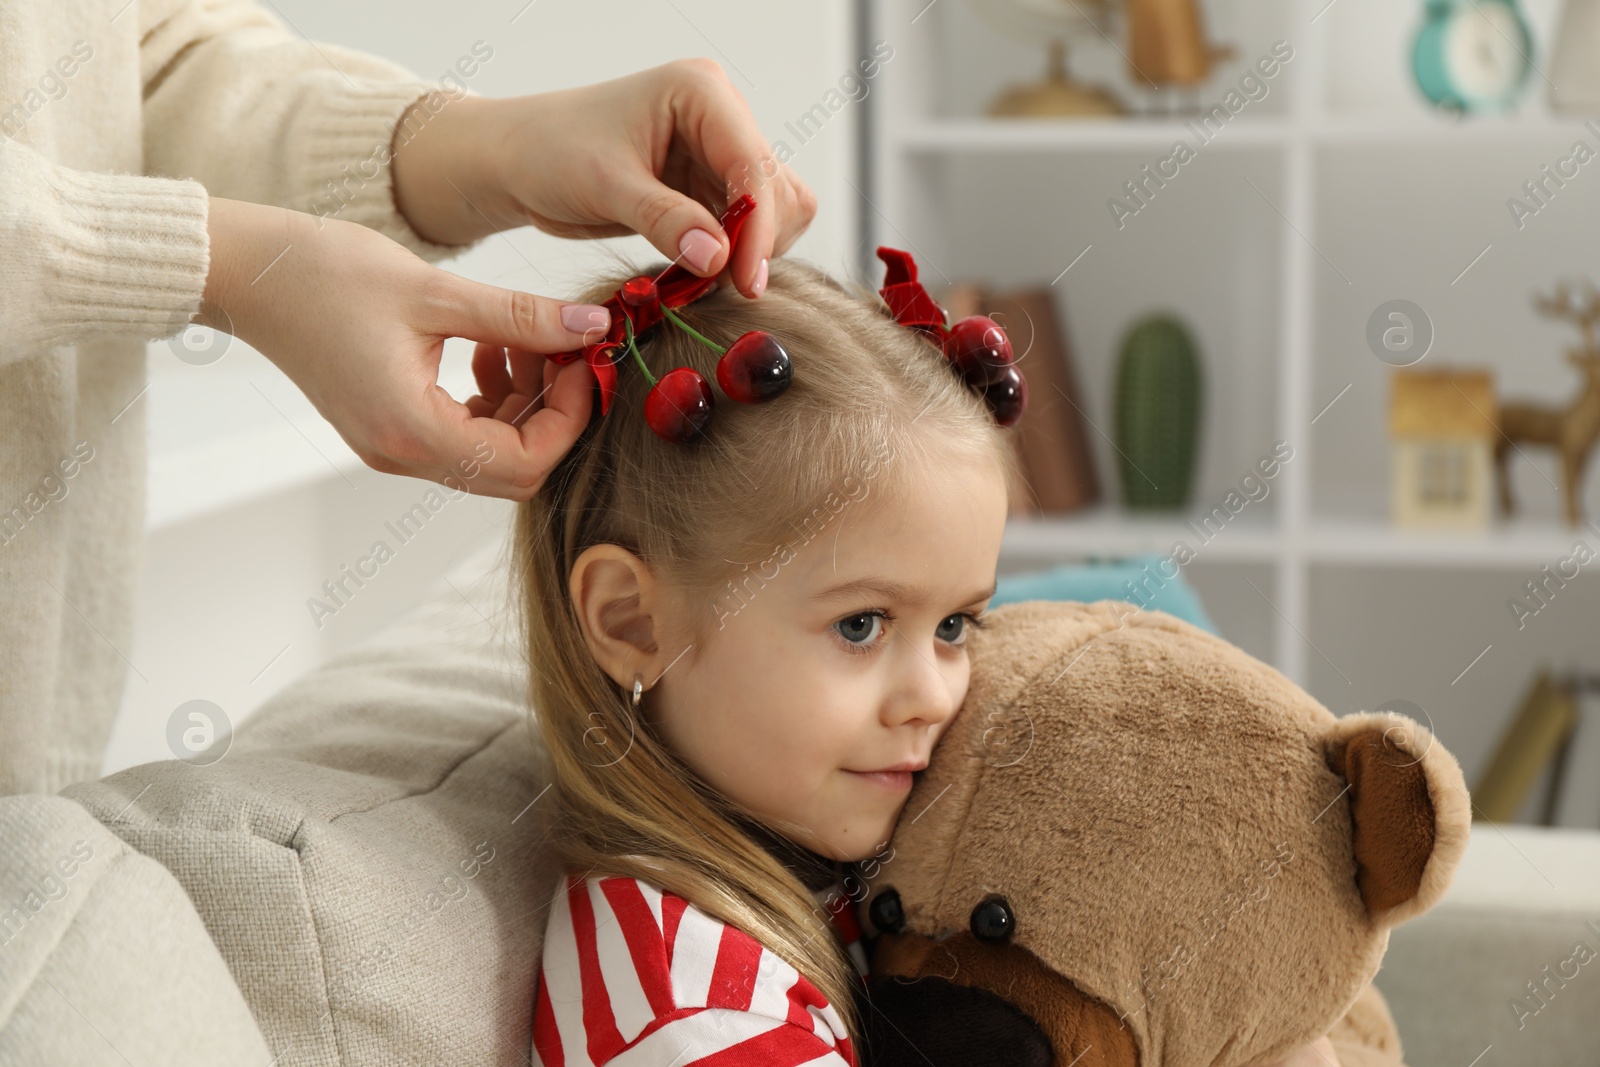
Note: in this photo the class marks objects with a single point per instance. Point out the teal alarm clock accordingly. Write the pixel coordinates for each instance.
(1472, 55)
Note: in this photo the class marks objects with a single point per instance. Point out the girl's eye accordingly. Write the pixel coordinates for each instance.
(859, 632)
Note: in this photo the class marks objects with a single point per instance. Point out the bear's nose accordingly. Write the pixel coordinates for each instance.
(954, 1024)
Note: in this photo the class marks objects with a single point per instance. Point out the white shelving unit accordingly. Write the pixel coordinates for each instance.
(1337, 190)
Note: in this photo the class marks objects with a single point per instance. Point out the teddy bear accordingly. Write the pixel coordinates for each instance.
(1138, 846)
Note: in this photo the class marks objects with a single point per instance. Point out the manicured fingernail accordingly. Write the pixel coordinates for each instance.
(583, 317)
(760, 284)
(698, 247)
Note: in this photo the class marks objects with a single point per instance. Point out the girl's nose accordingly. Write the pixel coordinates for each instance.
(924, 688)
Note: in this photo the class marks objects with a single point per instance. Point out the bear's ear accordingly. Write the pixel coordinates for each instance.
(1410, 813)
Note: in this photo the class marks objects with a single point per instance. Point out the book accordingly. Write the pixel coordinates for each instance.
(1057, 467)
(1542, 726)
(1577, 792)
(968, 298)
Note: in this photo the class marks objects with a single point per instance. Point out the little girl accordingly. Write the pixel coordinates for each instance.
(742, 649)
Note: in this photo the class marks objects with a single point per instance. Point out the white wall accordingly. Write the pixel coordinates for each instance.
(255, 501)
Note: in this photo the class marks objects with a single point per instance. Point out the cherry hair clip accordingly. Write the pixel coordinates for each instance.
(976, 347)
(753, 369)
(756, 367)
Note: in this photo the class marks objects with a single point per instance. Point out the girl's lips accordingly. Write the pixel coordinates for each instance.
(899, 781)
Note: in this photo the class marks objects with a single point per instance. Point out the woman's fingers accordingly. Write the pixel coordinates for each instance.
(553, 427)
(364, 344)
(527, 372)
(489, 371)
(514, 408)
(510, 318)
(490, 456)
(716, 133)
(538, 436)
(509, 397)
(679, 226)
(505, 440)
(801, 211)
(715, 123)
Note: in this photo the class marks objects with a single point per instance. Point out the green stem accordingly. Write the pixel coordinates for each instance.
(637, 358)
(685, 326)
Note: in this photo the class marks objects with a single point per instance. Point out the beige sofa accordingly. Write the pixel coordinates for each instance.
(361, 881)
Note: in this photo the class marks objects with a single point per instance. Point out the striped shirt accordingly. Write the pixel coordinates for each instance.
(634, 976)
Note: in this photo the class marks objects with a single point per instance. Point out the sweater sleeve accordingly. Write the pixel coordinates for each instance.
(85, 253)
(238, 101)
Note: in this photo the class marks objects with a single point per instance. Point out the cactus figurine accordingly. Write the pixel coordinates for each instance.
(1157, 414)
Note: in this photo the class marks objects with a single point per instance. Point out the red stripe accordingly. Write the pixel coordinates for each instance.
(672, 908)
(782, 1046)
(645, 945)
(844, 917)
(546, 1036)
(799, 997)
(804, 994)
(599, 1023)
(733, 978)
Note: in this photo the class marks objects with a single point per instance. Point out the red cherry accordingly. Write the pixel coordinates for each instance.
(1007, 396)
(978, 342)
(678, 406)
(754, 368)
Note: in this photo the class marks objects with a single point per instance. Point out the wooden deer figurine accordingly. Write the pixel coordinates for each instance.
(1571, 430)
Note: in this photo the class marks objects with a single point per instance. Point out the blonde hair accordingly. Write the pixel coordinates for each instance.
(699, 515)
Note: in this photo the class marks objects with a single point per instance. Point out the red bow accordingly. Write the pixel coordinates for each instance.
(641, 299)
(976, 346)
(907, 299)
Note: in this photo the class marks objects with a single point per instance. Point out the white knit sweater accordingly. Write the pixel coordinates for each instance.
(119, 118)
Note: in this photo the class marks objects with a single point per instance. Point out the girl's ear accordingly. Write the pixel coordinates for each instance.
(613, 592)
(1410, 813)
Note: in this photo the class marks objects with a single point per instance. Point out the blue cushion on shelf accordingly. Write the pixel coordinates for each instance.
(1122, 579)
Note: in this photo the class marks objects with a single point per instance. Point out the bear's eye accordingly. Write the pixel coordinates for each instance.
(886, 913)
(992, 920)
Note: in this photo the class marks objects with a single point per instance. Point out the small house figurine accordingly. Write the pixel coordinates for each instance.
(1442, 434)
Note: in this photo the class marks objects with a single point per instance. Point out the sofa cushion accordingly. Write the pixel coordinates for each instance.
(365, 855)
(1138, 579)
(102, 958)
(1508, 958)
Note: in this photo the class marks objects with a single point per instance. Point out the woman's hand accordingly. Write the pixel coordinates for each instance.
(359, 323)
(660, 153)
(1317, 1054)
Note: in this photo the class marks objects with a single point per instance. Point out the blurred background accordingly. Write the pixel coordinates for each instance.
(1286, 279)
